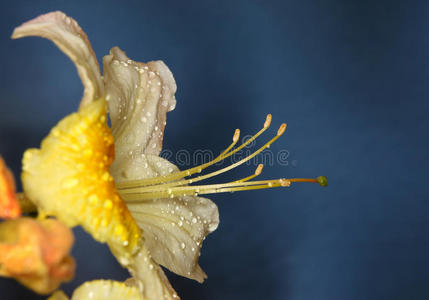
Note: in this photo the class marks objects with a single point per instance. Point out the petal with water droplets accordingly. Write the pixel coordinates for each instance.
(139, 96)
(72, 40)
(150, 278)
(174, 229)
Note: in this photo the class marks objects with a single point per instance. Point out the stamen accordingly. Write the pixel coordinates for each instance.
(199, 178)
(234, 141)
(178, 175)
(165, 186)
(258, 172)
(214, 188)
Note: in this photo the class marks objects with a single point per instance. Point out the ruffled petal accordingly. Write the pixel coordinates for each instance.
(68, 177)
(139, 96)
(101, 290)
(174, 228)
(72, 40)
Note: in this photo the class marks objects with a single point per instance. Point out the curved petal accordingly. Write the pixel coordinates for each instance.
(150, 278)
(101, 290)
(173, 228)
(72, 40)
(139, 96)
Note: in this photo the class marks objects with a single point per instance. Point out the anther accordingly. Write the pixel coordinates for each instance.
(268, 121)
(258, 170)
(236, 135)
(281, 129)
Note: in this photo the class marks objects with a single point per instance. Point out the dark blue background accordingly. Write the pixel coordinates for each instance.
(349, 78)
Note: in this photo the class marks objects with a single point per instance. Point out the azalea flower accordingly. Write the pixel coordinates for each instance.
(112, 182)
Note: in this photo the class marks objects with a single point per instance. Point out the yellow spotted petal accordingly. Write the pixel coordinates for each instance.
(68, 177)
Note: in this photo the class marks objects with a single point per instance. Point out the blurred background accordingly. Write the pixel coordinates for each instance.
(349, 78)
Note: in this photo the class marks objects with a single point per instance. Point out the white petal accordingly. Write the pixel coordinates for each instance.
(140, 166)
(150, 278)
(174, 229)
(72, 40)
(106, 289)
(139, 96)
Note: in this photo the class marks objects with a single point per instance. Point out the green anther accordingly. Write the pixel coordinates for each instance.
(322, 180)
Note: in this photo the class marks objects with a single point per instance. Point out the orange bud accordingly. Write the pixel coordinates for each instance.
(36, 253)
(9, 205)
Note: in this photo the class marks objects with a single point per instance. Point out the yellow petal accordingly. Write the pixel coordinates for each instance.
(58, 295)
(106, 289)
(101, 290)
(72, 40)
(68, 177)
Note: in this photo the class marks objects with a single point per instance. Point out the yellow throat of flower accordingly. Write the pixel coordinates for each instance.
(173, 185)
(68, 177)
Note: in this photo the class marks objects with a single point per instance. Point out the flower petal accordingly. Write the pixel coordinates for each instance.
(58, 295)
(68, 177)
(173, 228)
(72, 40)
(106, 289)
(9, 205)
(134, 167)
(150, 278)
(139, 96)
(36, 253)
(101, 290)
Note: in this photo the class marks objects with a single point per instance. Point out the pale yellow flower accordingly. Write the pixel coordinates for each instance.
(135, 201)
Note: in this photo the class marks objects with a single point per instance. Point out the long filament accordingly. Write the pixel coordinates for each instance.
(197, 169)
